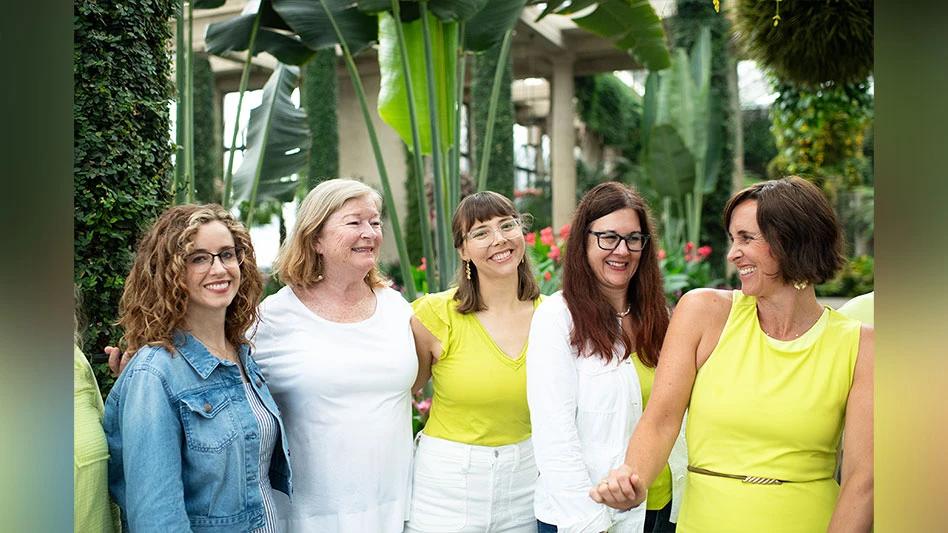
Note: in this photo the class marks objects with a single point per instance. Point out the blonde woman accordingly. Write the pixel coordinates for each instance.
(335, 345)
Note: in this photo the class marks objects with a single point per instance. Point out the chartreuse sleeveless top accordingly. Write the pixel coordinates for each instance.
(768, 408)
(480, 394)
(660, 492)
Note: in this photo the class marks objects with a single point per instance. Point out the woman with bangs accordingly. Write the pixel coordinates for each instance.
(195, 438)
(590, 364)
(474, 469)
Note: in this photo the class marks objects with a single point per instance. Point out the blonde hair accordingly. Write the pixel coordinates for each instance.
(297, 264)
(154, 303)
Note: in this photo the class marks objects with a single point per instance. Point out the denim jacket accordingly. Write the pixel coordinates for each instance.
(184, 445)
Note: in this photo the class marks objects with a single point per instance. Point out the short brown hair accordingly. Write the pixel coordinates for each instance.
(799, 224)
(155, 300)
(297, 264)
(595, 328)
(481, 207)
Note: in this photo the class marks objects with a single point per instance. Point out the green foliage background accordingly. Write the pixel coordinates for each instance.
(208, 130)
(320, 95)
(500, 174)
(122, 147)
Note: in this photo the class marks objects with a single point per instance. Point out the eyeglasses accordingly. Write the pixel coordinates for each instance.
(483, 237)
(609, 240)
(201, 261)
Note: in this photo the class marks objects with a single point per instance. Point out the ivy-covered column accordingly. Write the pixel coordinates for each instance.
(500, 175)
(122, 162)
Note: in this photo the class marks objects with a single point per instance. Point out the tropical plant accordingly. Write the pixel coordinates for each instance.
(682, 141)
(424, 45)
(545, 252)
(685, 268)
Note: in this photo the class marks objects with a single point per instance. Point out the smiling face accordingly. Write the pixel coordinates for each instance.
(750, 252)
(351, 237)
(614, 269)
(502, 256)
(214, 289)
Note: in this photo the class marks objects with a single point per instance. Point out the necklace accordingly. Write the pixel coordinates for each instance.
(623, 314)
(223, 354)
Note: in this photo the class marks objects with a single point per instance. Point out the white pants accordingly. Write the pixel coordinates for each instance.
(464, 488)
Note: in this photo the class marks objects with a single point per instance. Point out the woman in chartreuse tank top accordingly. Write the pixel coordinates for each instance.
(769, 377)
(474, 469)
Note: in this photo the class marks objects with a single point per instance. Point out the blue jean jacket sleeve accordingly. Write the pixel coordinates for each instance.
(145, 439)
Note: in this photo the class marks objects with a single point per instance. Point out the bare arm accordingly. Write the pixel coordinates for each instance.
(428, 349)
(854, 508)
(694, 330)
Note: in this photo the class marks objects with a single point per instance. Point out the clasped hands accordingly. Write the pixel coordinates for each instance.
(621, 489)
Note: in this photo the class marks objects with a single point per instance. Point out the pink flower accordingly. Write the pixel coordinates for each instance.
(689, 257)
(547, 275)
(704, 251)
(422, 267)
(689, 246)
(661, 253)
(554, 252)
(564, 231)
(423, 406)
(531, 238)
(546, 236)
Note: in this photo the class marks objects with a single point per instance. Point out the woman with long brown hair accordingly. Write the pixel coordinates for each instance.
(584, 391)
(195, 438)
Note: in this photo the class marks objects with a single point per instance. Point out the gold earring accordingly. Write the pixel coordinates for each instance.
(467, 268)
(800, 285)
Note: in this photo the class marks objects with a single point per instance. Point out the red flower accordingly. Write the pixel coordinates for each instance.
(546, 236)
(689, 246)
(531, 238)
(661, 253)
(564, 231)
(547, 275)
(554, 252)
(704, 251)
(423, 406)
(422, 267)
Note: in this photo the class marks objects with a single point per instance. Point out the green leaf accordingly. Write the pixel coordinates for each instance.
(393, 102)
(310, 21)
(491, 23)
(207, 4)
(671, 167)
(458, 10)
(279, 126)
(234, 35)
(633, 27)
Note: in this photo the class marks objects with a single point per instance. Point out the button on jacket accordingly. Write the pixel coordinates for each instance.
(184, 444)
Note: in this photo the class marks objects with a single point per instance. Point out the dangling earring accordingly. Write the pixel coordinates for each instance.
(467, 268)
(800, 285)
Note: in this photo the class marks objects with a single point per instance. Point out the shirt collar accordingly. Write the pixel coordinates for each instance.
(199, 357)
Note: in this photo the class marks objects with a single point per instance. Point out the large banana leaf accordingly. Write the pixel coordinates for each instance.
(490, 24)
(278, 143)
(308, 18)
(234, 36)
(446, 10)
(393, 101)
(632, 26)
(669, 163)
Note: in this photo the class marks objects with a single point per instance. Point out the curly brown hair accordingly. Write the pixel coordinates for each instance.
(595, 328)
(155, 300)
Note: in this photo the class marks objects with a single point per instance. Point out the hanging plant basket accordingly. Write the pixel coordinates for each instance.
(809, 42)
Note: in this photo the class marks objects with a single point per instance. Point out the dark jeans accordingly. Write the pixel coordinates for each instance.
(543, 527)
(655, 522)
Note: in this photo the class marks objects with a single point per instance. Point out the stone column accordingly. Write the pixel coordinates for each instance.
(562, 141)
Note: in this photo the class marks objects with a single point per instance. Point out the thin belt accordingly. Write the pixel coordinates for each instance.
(744, 479)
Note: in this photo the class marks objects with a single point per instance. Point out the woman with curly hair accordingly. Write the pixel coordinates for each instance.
(195, 438)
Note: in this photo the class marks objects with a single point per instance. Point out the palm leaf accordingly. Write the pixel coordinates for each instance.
(310, 21)
(278, 142)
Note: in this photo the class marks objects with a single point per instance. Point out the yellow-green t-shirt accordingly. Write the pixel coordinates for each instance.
(660, 493)
(480, 394)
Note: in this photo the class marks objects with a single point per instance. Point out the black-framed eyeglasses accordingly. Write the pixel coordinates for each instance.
(201, 261)
(483, 237)
(609, 240)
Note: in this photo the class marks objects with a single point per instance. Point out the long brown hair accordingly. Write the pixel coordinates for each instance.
(595, 328)
(155, 300)
(481, 207)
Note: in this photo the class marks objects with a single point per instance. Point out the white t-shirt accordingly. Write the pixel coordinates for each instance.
(344, 392)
